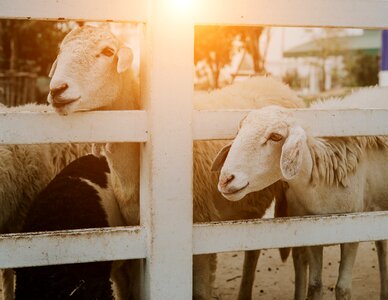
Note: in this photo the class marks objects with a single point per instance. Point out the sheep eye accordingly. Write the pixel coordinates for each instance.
(276, 137)
(108, 51)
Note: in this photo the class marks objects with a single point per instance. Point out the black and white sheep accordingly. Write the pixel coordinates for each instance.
(24, 171)
(93, 72)
(80, 196)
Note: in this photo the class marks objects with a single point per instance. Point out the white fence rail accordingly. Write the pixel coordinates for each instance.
(61, 247)
(166, 237)
(99, 126)
(317, 13)
(206, 125)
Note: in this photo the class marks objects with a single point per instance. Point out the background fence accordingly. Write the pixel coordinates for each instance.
(166, 236)
(17, 88)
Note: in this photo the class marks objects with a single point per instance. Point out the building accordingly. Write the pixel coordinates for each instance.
(316, 62)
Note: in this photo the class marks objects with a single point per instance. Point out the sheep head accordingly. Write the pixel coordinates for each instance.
(268, 147)
(88, 71)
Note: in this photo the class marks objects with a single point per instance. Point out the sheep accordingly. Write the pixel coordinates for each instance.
(80, 196)
(253, 93)
(324, 175)
(24, 171)
(93, 72)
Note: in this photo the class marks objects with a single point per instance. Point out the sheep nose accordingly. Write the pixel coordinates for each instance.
(225, 180)
(58, 90)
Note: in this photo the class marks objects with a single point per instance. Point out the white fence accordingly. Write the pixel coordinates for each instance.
(166, 236)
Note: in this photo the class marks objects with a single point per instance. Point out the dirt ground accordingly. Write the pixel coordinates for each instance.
(275, 280)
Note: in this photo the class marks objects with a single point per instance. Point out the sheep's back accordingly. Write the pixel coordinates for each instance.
(253, 93)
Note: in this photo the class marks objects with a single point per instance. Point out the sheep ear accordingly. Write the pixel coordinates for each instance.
(53, 67)
(124, 59)
(291, 157)
(219, 160)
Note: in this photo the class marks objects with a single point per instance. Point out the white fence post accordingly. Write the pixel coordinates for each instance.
(166, 171)
(166, 235)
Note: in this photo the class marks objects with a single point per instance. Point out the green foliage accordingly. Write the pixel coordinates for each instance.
(362, 69)
(30, 46)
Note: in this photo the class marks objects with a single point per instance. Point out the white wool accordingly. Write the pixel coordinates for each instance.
(371, 97)
(324, 175)
(253, 93)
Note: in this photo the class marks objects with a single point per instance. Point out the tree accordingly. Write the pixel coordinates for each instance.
(214, 45)
(362, 69)
(30, 46)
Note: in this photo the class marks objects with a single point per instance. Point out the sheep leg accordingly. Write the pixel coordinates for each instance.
(300, 267)
(133, 270)
(381, 247)
(8, 280)
(314, 255)
(204, 267)
(343, 290)
(121, 281)
(248, 275)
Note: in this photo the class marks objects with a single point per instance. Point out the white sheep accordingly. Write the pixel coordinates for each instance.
(80, 196)
(324, 175)
(92, 72)
(24, 171)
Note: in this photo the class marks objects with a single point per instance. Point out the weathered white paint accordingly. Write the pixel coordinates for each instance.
(349, 122)
(61, 247)
(20, 250)
(96, 10)
(166, 166)
(99, 126)
(165, 238)
(289, 232)
(118, 126)
(317, 13)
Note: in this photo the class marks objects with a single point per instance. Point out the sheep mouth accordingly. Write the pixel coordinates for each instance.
(60, 103)
(234, 192)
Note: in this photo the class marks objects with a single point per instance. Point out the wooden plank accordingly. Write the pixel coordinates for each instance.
(27, 128)
(73, 246)
(166, 166)
(19, 250)
(317, 13)
(352, 122)
(101, 126)
(98, 10)
(289, 232)
(340, 13)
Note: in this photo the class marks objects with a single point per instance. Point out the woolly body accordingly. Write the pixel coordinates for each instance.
(84, 91)
(325, 175)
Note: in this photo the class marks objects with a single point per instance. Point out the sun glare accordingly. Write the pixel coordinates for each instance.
(181, 5)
